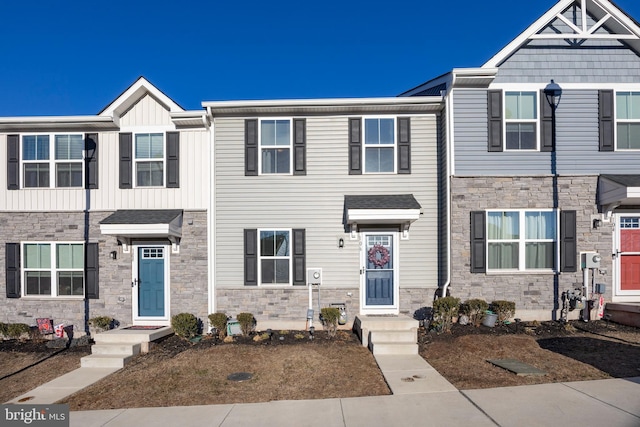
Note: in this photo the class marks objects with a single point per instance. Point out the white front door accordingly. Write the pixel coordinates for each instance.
(627, 262)
(150, 285)
(379, 273)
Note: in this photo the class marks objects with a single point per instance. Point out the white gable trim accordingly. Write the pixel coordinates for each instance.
(133, 94)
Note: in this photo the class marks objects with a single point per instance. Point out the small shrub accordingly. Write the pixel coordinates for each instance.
(185, 325)
(444, 310)
(475, 310)
(219, 321)
(247, 323)
(16, 330)
(4, 328)
(330, 316)
(101, 322)
(504, 309)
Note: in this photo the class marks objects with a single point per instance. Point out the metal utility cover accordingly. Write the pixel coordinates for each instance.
(517, 367)
(240, 376)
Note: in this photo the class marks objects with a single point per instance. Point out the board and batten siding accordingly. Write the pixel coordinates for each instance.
(146, 112)
(315, 202)
(577, 146)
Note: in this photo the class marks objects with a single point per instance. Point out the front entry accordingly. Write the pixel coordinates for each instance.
(379, 275)
(150, 287)
(628, 256)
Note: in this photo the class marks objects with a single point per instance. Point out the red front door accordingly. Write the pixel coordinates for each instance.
(630, 254)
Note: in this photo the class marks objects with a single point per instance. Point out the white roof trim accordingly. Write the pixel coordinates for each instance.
(630, 28)
(142, 230)
(382, 216)
(323, 102)
(134, 93)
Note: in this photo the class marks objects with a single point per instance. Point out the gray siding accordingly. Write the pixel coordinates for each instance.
(576, 148)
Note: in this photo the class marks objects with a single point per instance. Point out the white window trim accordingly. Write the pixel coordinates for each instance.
(394, 146)
(617, 121)
(522, 241)
(290, 146)
(51, 161)
(506, 121)
(290, 257)
(53, 269)
(136, 160)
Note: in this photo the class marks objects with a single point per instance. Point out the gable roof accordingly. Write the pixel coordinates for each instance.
(609, 23)
(133, 94)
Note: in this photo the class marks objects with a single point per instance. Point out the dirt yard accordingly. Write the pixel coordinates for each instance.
(177, 372)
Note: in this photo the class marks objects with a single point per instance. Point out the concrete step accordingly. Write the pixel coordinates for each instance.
(115, 348)
(105, 361)
(384, 348)
(389, 324)
(410, 336)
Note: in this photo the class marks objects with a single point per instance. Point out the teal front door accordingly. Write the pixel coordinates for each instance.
(151, 282)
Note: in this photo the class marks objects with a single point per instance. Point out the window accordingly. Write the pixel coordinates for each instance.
(628, 120)
(149, 159)
(53, 269)
(275, 146)
(521, 120)
(275, 257)
(521, 240)
(379, 145)
(67, 162)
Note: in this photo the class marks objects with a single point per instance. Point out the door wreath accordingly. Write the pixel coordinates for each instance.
(384, 255)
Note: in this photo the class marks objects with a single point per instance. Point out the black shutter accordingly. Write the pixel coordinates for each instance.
(251, 147)
(12, 261)
(91, 270)
(173, 159)
(478, 242)
(91, 161)
(299, 147)
(251, 257)
(13, 162)
(299, 257)
(606, 119)
(355, 146)
(126, 160)
(568, 242)
(494, 115)
(546, 124)
(404, 145)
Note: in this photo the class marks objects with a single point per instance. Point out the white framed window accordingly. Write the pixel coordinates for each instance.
(53, 269)
(521, 120)
(63, 169)
(520, 240)
(275, 146)
(379, 145)
(628, 120)
(274, 258)
(149, 157)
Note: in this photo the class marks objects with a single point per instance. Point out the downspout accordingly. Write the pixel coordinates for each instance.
(211, 216)
(449, 150)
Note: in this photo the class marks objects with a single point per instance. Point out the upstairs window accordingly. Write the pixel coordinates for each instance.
(628, 120)
(379, 145)
(275, 146)
(35, 158)
(69, 166)
(149, 159)
(521, 120)
(66, 164)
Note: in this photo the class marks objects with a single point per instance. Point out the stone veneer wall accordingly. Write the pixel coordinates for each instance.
(188, 269)
(529, 291)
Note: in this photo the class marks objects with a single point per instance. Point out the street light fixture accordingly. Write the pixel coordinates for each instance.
(553, 93)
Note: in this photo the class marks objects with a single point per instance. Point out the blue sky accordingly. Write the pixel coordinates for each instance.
(74, 57)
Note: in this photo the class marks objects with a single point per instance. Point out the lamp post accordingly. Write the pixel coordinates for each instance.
(553, 93)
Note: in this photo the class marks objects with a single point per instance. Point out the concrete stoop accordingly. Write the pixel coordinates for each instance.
(388, 335)
(115, 348)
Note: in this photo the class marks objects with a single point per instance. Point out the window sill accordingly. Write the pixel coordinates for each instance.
(520, 273)
(45, 298)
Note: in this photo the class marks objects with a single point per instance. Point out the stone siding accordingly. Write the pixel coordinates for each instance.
(534, 292)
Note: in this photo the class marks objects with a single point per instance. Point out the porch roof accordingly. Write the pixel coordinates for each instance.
(126, 225)
(381, 209)
(618, 190)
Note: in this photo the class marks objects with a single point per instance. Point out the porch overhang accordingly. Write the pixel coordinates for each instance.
(618, 190)
(395, 209)
(127, 225)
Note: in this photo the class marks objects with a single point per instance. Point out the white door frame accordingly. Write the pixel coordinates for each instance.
(149, 320)
(619, 295)
(380, 309)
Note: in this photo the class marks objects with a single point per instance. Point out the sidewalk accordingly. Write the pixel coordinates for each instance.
(610, 403)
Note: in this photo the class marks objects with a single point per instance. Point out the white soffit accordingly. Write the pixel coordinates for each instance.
(382, 216)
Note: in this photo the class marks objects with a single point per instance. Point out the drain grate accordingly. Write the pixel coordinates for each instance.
(240, 376)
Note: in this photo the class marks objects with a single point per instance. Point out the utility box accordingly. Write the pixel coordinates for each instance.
(342, 320)
(233, 327)
(600, 288)
(591, 260)
(314, 276)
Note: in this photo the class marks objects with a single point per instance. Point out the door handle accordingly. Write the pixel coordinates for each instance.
(134, 283)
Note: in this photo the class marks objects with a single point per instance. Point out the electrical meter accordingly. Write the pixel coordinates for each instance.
(591, 260)
(314, 276)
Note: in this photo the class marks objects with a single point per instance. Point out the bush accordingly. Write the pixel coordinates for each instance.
(4, 327)
(504, 309)
(219, 321)
(16, 330)
(475, 310)
(444, 309)
(247, 323)
(330, 316)
(185, 325)
(101, 322)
